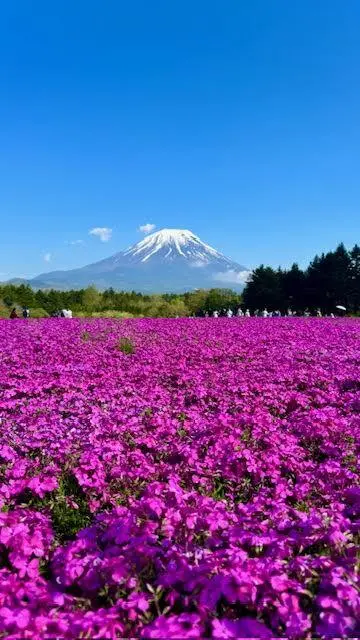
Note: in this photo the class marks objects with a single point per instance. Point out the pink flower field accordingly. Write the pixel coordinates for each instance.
(179, 478)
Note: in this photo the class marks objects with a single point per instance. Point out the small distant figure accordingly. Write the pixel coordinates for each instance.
(318, 313)
(265, 313)
(215, 314)
(332, 315)
(229, 313)
(26, 312)
(247, 313)
(13, 314)
(66, 313)
(240, 312)
(206, 314)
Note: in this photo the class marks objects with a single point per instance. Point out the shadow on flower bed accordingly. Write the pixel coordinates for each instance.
(68, 507)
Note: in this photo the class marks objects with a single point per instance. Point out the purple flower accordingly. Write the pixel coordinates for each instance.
(243, 628)
(213, 471)
(186, 625)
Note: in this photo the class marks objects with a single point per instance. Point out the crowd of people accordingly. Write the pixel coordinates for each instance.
(228, 313)
(25, 313)
(264, 313)
(63, 313)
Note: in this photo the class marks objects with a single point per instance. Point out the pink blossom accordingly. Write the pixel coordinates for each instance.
(205, 485)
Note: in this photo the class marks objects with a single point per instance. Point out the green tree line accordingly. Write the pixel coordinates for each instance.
(331, 279)
(90, 301)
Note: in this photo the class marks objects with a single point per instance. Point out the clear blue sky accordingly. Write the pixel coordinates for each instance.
(237, 120)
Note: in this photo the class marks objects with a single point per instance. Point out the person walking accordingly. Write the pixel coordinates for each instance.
(13, 314)
(26, 312)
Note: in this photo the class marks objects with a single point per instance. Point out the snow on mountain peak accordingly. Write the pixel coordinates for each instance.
(173, 243)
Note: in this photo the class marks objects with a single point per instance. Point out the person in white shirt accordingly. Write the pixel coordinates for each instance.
(247, 313)
(66, 313)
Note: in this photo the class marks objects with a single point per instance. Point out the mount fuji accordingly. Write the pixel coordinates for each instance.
(170, 260)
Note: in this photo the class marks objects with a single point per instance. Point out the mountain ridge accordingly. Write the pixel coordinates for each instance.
(169, 260)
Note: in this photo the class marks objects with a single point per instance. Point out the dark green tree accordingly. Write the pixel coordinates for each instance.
(328, 280)
(293, 289)
(354, 279)
(264, 289)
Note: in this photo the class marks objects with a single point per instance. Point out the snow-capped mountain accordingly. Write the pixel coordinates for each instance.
(173, 260)
(174, 244)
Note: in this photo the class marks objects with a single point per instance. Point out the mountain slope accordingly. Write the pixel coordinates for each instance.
(168, 260)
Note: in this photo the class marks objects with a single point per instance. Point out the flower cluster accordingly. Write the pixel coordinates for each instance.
(200, 481)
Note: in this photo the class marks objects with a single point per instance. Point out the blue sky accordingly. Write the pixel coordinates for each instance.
(237, 120)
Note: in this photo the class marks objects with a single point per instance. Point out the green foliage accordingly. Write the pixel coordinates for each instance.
(115, 304)
(4, 310)
(331, 279)
(302, 505)
(264, 289)
(211, 300)
(126, 346)
(109, 313)
(67, 506)
(39, 313)
(66, 519)
(91, 298)
(220, 487)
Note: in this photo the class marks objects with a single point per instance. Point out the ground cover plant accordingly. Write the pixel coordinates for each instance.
(179, 478)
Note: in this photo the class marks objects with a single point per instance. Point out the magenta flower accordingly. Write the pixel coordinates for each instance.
(206, 485)
(243, 628)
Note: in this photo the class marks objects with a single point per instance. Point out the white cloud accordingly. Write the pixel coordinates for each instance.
(147, 228)
(103, 233)
(47, 257)
(232, 276)
(199, 264)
